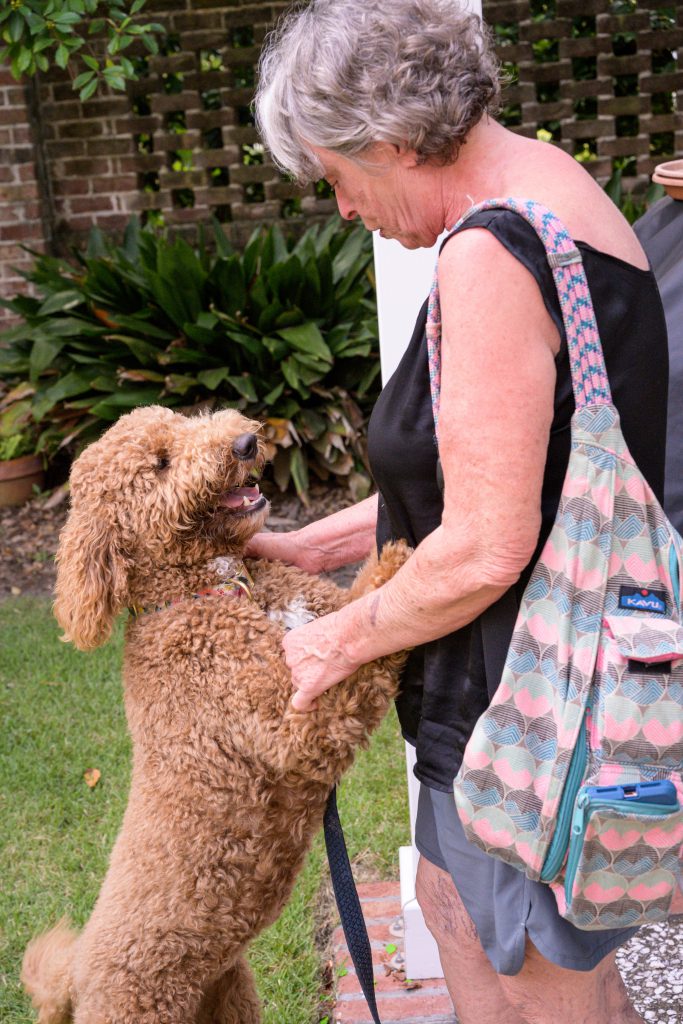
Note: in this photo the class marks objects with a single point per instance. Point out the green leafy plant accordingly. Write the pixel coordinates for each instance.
(19, 433)
(38, 33)
(631, 205)
(15, 446)
(285, 331)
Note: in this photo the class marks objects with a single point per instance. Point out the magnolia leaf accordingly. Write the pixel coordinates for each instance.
(83, 79)
(61, 56)
(88, 91)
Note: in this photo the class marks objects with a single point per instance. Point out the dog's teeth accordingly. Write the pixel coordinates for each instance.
(245, 501)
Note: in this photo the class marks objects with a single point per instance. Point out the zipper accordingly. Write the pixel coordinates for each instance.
(584, 808)
(575, 773)
(675, 576)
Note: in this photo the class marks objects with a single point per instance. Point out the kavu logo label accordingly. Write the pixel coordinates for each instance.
(643, 600)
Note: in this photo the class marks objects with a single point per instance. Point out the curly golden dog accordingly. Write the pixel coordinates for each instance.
(229, 783)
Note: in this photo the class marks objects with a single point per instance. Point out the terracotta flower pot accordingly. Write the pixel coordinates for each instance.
(17, 478)
(670, 175)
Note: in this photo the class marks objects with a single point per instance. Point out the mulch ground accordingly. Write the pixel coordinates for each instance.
(29, 534)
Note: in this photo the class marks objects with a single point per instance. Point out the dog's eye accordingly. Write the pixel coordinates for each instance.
(163, 461)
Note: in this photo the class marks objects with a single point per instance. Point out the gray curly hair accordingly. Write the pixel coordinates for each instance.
(344, 74)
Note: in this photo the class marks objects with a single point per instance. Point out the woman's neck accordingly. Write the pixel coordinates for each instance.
(485, 167)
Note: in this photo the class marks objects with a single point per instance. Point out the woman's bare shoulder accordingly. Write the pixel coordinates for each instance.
(557, 180)
(547, 174)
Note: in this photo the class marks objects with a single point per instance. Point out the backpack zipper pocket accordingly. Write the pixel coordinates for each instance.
(611, 839)
(577, 768)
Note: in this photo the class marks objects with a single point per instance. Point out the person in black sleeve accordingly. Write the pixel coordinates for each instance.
(394, 105)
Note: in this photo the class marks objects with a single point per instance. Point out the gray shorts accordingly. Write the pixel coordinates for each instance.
(504, 905)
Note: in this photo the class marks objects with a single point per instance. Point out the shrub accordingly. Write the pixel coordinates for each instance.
(632, 205)
(285, 331)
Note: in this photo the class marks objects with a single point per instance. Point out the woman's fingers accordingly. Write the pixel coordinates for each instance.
(315, 661)
(302, 702)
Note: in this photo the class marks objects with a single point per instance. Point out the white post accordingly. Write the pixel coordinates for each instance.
(403, 281)
(404, 278)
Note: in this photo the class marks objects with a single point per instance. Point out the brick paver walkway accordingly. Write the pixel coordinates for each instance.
(397, 1000)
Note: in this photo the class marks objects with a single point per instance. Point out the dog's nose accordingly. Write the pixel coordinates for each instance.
(245, 447)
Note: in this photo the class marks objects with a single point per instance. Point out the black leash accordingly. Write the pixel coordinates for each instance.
(348, 904)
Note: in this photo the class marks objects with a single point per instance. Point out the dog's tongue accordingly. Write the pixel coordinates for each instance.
(235, 497)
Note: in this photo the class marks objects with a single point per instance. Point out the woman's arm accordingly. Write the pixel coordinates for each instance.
(497, 388)
(340, 539)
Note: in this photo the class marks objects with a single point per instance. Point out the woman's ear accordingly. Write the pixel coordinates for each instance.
(92, 581)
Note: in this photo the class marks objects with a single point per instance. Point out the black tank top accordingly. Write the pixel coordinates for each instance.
(444, 687)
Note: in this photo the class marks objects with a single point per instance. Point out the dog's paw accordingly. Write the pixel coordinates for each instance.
(392, 557)
(377, 571)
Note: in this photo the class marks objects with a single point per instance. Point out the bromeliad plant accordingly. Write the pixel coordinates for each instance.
(285, 331)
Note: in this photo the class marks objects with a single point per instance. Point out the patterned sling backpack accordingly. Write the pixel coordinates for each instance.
(573, 774)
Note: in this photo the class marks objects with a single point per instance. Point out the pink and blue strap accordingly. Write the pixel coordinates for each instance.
(586, 361)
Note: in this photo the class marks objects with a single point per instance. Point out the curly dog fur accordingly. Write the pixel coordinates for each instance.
(229, 783)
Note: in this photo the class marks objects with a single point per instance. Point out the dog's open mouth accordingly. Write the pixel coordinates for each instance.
(242, 501)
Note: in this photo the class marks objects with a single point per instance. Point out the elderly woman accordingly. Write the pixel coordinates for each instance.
(393, 104)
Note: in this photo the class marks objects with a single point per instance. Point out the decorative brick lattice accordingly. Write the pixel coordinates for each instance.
(604, 80)
(181, 146)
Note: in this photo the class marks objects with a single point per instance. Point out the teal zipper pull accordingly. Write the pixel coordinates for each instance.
(580, 814)
(579, 819)
(575, 773)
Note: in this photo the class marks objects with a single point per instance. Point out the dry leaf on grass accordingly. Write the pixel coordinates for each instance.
(92, 777)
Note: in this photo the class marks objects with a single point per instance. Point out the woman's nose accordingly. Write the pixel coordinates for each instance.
(345, 208)
(245, 447)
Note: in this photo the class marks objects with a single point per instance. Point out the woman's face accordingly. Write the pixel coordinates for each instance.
(387, 190)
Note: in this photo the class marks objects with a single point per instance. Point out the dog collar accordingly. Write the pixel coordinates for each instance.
(239, 585)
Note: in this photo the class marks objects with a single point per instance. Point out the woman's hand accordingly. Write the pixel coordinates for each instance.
(283, 547)
(316, 660)
(340, 539)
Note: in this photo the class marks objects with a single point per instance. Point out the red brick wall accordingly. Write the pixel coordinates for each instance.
(20, 214)
(115, 154)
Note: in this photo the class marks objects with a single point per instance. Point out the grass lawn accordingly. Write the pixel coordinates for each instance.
(61, 714)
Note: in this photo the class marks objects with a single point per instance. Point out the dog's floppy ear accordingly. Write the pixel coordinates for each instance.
(91, 578)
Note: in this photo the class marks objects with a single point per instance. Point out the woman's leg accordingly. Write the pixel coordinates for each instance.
(544, 993)
(472, 983)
